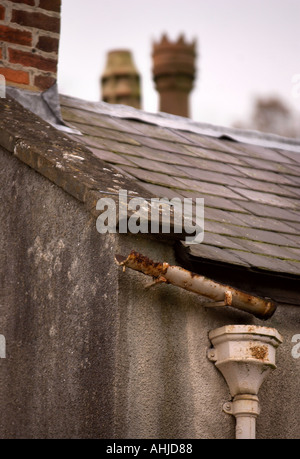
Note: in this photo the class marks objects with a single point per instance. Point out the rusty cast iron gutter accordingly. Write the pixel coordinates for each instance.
(222, 295)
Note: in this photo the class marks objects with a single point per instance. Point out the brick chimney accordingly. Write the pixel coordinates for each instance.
(174, 74)
(120, 81)
(29, 41)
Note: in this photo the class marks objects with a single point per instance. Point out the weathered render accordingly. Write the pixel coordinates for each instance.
(95, 352)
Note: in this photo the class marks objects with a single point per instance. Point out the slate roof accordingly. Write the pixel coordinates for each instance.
(251, 192)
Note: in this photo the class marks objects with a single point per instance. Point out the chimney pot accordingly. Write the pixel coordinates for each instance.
(120, 81)
(174, 73)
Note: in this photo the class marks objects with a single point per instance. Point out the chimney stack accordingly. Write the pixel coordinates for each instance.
(120, 81)
(29, 41)
(174, 74)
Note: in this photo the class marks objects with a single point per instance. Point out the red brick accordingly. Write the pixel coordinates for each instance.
(50, 5)
(16, 36)
(1, 54)
(36, 20)
(44, 82)
(15, 76)
(2, 13)
(48, 44)
(32, 60)
(26, 2)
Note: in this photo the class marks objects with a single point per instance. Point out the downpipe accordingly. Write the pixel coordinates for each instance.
(245, 355)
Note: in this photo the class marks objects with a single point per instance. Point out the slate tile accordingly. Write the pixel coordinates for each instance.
(222, 228)
(213, 166)
(163, 145)
(248, 149)
(267, 263)
(122, 124)
(295, 264)
(294, 191)
(294, 180)
(152, 177)
(264, 175)
(279, 157)
(229, 146)
(215, 155)
(265, 223)
(105, 133)
(293, 170)
(266, 249)
(160, 156)
(93, 118)
(222, 216)
(296, 251)
(162, 191)
(149, 164)
(208, 176)
(110, 157)
(198, 139)
(294, 203)
(290, 154)
(258, 235)
(261, 185)
(262, 164)
(158, 132)
(268, 154)
(171, 158)
(215, 143)
(208, 188)
(217, 254)
(266, 210)
(297, 216)
(253, 234)
(295, 226)
(220, 241)
(217, 202)
(265, 198)
(294, 239)
(80, 104)
(183, 138)
(114, 146)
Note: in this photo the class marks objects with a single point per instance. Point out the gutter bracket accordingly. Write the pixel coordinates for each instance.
(212, 355)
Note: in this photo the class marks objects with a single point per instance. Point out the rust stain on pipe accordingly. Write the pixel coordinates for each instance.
(139, 262)
(262, 308)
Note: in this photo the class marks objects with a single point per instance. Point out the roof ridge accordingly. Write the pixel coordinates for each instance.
(167, 120)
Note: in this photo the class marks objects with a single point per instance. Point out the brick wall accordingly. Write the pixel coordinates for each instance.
(29, 41)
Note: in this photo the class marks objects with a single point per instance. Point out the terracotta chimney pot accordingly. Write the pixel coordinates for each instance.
(174, 74)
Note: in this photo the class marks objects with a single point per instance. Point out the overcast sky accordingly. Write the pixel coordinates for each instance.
(246, 48)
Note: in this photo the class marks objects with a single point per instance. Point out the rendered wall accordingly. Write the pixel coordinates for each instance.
(57, 314)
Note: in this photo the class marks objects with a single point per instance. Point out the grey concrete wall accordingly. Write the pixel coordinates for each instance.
(92, 353)
(58, 309)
